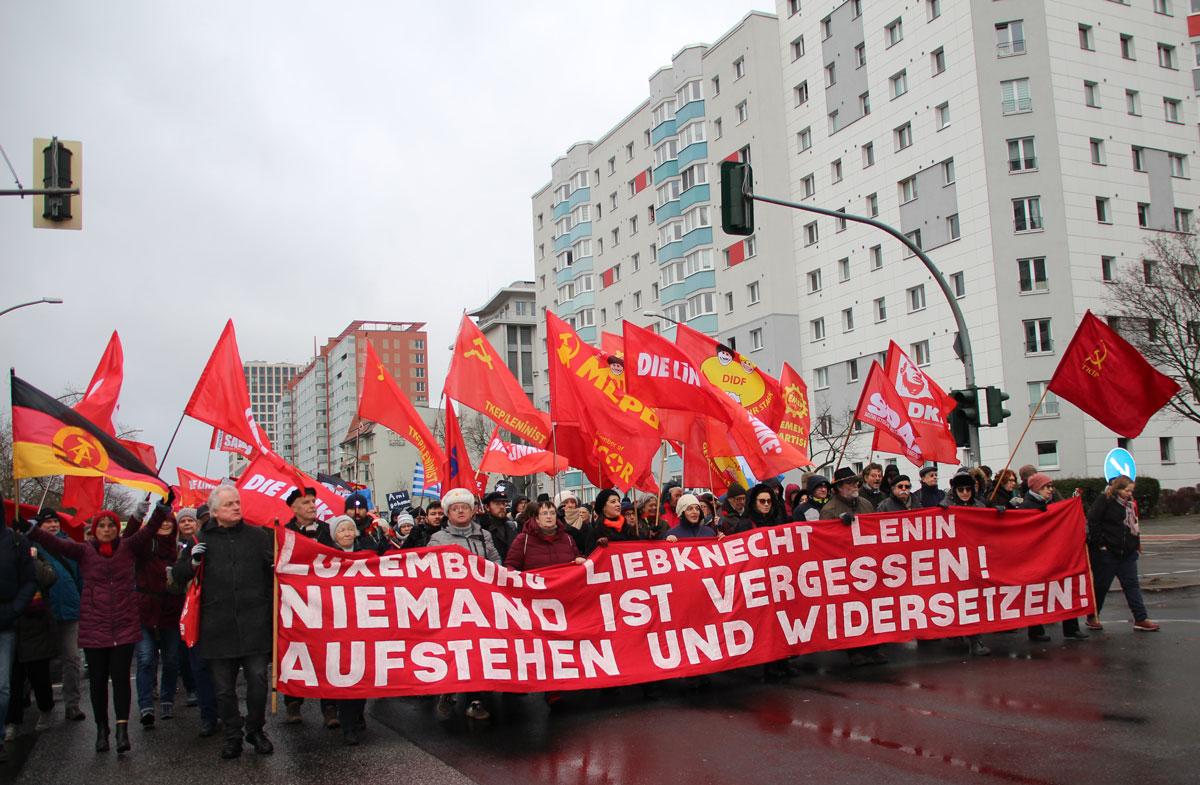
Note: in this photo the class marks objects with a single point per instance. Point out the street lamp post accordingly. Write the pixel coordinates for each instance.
(51, 300)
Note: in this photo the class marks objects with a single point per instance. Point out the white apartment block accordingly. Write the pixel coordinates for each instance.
(1032, 147)
(266, 382)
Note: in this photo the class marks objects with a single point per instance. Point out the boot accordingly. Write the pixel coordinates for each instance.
(122, 737)
(101, 737)
(976, 647)
(331, 718)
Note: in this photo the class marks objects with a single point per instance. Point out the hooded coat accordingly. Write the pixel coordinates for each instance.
(533, 548)
(756, 518)
(811, 510)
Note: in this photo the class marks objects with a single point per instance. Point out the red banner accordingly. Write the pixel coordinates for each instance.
(265, 485)
(193, 489)
(439, 620)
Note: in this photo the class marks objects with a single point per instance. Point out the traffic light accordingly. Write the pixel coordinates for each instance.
(965, 414)
(996, 413)
(58, 163)
(57, 174)
(737, 208)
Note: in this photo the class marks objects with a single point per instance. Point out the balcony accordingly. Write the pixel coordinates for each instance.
(1010, 48)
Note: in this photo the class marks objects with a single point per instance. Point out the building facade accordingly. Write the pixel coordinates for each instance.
(266, 382)
(509, 321)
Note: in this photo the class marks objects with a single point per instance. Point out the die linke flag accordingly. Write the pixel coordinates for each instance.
(457, 471)
(518, 460)
(796, 425)
(1106, 377)
(661, 375)
(85, 495)
(927, 406)
(881, 406)
(600, 429)
(221, 400)
(382, 401)
(264, 486)
(193, 488)
(480, 379)
(50, 438)
(734, 374)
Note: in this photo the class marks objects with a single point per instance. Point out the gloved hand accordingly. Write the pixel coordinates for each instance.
(601, 542)
(170, 497)
(23, 525)
(1001, 508)
(847, 518)
(163, 508)
(198, 551)
(142, 508)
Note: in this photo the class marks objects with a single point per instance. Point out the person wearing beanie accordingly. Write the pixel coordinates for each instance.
(629, 511)
(691, 520)
(899, 498)
(303, 503)
(494, 519)
(666, 503)
(962, 493)
(818, 495)
(929, 494)
(402, 526)
(733, 510)
(650, 525)
(360, 511)
(610, 525)
(1041, 491)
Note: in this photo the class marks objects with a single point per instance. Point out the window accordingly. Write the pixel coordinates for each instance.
(941, 114)
(811, 235)
(843, 267)
(1037, 336)
(750, 244)
(1149, 270)
(899, 84)
(1049, 404)
(841, 222)
(1031, 275)
(800, 93)
(691, 133)
(847, 320)
(1108, 269)
(937, 61)
(804, 139)
(752, 293)
(1091, 94)
(808, 186)
(894, 32)
(933, 9)
(653, 292)
(1102, 214)
(903, 136)
(729, 302)
(1010, 38)
(1162, 7)
(1014, 96)
(1085, 38)
(816, 329)
(860, 55)
(953, 229)
(958, 282)
(739, 68)
(864, 103)
(612, 164)
(919, 352)
(1166, 57)
(868, 155)
(633, 225)
(1183, 220)
(612, 201)
(814, 281)
(1171, 110)
(833, 122)
(835, 170)
(1166, 449)
(821, 379)
(718, 128)
(880, 307)
(1047, 455)
(852, 370)
(756, 339)
(1133, 103)
(826, 28)
(716, 86)
(1139, 159)
(873, 205)
(876, 254)
(742, 112)
(629, 152)
(1143, 214)
(916, 298)
(1127, 50)
(1096, 149)
(1027, 214)
(636, 261)
(1022, 154)
(908, 190)
(798, 48)
(696, 174)
(948, 171)
(1178, 164)
(637, 300)
(830, 75)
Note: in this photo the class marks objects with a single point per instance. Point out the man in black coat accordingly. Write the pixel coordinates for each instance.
(18, 583)
(494, 519)
(929, 494)
(235, 619)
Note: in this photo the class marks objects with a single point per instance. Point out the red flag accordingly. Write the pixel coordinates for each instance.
(518, 460)
(662, 376)
(85, 495)
(612, 345)
(880, 405)
(221, 399)
(145, 452)
(382, 401)
(264, 487)
(456, 471)
(600, 429)
(734, 374)
(1106, 377)
(193, 489)
(796, 425)
(479, 379)
(927, 406)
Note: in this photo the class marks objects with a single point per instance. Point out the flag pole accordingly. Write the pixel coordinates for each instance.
(662, 465)
(1013, 454)
(845, 445)
(45, 493)
(162, 461)
(554, 452)
(275, 622)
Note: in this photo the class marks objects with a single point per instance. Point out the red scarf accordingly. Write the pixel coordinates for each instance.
(106, 549)
(616, 524)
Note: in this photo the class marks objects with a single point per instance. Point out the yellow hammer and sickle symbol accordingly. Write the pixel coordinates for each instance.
(1099, 355)
(382, 372)
(480, 353)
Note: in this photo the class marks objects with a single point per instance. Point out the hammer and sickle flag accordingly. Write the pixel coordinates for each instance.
(51, 438)
(381, 400)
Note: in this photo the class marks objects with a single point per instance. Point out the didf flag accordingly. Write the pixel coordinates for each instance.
(734, 374)
(1109, 379)
(382, 401)
(50, 438)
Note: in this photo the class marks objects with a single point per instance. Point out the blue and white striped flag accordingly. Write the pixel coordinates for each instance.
(418, 484)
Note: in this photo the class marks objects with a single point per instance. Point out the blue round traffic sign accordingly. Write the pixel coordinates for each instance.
(1118, 462)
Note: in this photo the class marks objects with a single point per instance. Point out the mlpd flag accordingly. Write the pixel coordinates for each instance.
(925, 403)
(222, 400)
(518, 460)
(478, 378)
(881, 406)
(50, 438)
(382, 401)
(1106, 377)
(457, 471)
(85, 495)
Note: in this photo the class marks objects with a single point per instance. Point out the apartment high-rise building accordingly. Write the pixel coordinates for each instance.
(318, 408)
(509, 321)
(1031, 149)
(266, 383)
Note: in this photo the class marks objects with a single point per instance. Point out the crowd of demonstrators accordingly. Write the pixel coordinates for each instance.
(427, 522)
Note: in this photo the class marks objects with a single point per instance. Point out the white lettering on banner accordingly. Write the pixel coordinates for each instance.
(878, 408)
(653, 365)
(768, 440)
(513, 452)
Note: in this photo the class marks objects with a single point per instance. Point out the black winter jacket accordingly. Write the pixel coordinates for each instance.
(503, 531)
(18, 576)
(1106, 529)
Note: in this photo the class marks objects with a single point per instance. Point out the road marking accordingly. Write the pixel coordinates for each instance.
(1176, 572)
(1170, 537)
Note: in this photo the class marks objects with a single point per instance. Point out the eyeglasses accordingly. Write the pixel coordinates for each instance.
(904, 487)
(762, 501)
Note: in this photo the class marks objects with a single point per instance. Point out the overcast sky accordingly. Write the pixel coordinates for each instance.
(294, 166)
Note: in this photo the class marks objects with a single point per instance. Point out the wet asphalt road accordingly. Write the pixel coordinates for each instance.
(1122, 707)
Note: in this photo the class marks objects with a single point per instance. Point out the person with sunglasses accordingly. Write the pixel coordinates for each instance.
(899, 498)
